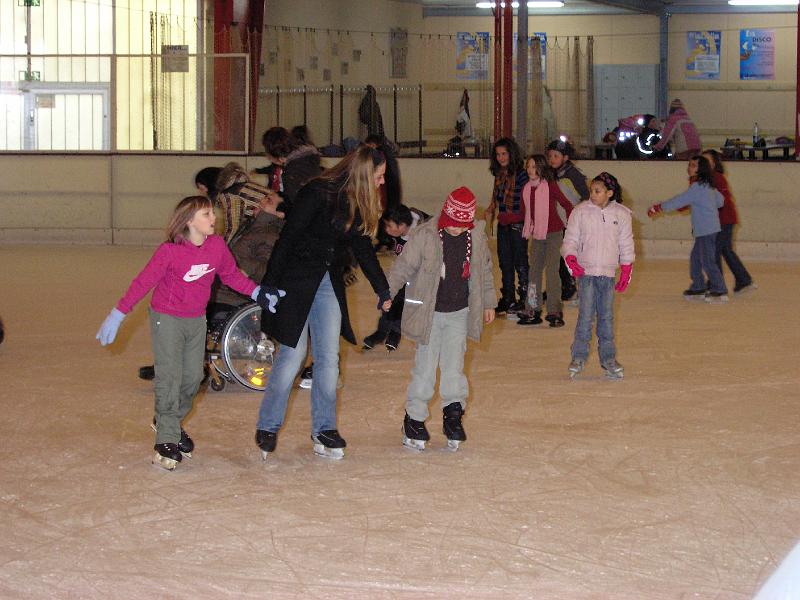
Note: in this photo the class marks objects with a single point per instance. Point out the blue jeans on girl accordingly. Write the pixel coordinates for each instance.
(324, 323)
(596, 297)
(703, 260)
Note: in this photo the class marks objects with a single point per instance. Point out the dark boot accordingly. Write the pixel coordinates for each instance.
(373, 339)
(392, 340)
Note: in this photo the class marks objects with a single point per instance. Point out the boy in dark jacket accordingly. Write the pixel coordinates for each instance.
(572, 183)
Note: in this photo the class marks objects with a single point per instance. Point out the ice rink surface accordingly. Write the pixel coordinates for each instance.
(682, 481)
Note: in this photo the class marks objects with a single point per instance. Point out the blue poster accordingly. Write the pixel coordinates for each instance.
(472, 55)
(702, 54)
(756, 54)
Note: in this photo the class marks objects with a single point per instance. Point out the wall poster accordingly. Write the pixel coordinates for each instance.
(756, 54)
(702, 54)
(472, 55)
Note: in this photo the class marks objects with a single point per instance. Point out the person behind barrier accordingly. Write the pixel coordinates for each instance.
(339, 209)
(681, 132)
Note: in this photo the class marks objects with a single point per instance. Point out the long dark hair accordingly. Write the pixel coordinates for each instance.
(207, 177)
(704, 175)
(515, 164)
(715, 160)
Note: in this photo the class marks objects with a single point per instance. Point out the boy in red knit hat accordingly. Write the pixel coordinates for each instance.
(446, 270)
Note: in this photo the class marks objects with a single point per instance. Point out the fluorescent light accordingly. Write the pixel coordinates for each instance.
(763, 2)
(531, 4)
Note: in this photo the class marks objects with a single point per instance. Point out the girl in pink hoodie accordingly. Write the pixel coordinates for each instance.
(599, 238)
(182, 270)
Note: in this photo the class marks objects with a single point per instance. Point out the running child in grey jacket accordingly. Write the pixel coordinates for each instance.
(446, 271)
(599, 238)
(705, 202)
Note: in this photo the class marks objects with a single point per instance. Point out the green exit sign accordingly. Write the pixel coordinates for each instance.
(29, 2)
(30, 75)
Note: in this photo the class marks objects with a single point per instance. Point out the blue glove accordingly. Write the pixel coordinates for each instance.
(109, 328)
(383, 296)
(267, 297)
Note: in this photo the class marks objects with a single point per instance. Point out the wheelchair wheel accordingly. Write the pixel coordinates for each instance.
(247, 352)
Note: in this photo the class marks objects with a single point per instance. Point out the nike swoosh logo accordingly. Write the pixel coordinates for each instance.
(196, 272)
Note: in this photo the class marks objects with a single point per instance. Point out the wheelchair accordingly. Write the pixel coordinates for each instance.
(237, 351)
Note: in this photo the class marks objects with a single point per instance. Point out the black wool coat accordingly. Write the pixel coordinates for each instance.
(313, 241)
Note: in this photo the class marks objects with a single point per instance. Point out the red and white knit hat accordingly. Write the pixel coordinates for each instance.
(458, 209)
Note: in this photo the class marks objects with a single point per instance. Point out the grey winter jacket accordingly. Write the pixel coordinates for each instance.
(418, 268)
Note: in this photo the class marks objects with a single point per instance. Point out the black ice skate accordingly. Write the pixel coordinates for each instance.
(266, 441)
(533, 319)
(555, 319)
(415, 434)
(148, 372)
(373, 339)
(575, 367)
(452, 427)
(613, 369)
(167, 456)
(185, 444)
(329, 443)
(392, 341)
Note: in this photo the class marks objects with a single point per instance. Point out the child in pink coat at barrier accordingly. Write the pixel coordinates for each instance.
(599, 237)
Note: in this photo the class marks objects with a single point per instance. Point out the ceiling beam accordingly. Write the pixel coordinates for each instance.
(648, 7)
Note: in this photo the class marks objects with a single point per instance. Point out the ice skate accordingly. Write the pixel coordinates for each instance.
(613, 369)
(392, 341)
(534, 319)
(743, 289)
(575, 367)
(185, 444)
(694, 295)
(555, 319)
(373, 339)
(167, 456)
(329, 443)
(716, 297)
(307, 378)
(452, 427)
(266, 442)
(415, 434)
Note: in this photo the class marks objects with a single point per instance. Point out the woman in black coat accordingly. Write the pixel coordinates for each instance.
(337, 210)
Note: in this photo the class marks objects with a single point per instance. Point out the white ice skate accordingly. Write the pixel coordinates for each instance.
(167, 456)
(575, 367)
(613, 369)
(329, 443)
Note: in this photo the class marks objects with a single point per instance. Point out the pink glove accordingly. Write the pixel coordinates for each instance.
(624, 278)
(574, 267)
(653, 210)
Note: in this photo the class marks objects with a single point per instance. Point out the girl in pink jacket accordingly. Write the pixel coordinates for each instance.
(599, 238)
(180, 273)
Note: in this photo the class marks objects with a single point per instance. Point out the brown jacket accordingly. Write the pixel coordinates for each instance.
(418, 268)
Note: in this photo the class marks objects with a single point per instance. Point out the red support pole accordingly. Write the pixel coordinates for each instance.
(797, 94)
(508, 60)
(498, 70)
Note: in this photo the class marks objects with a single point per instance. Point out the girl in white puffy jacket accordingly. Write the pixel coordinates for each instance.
(599, 238)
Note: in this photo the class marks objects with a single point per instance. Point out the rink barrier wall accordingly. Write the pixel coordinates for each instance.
(127, 199)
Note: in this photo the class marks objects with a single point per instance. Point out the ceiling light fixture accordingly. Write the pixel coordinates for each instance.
(763, 2)
(531, 4)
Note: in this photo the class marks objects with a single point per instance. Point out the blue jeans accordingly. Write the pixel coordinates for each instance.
(703, 260)
(596, 298)
(725, 250)
(324, 322)
(512, 255)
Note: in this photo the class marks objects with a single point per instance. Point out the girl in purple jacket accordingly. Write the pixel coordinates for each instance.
(181, 270)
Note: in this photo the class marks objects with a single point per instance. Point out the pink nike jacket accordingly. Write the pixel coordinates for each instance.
(182, 274)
